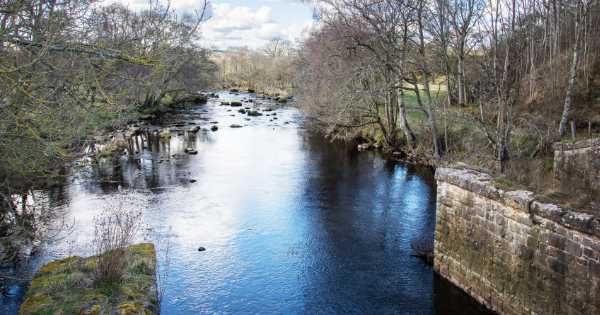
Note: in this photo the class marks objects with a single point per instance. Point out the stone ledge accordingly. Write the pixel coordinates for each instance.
(482, 184)
(67, 286)
(581, 144)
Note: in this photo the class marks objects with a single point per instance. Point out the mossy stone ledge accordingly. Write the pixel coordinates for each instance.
(67, 286)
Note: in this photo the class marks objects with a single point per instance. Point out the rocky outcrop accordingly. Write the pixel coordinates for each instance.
(513, 252)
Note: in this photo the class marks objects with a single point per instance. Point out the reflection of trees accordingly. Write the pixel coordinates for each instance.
(146, 165)
(364, 211)
(27, 221)
(449, 299)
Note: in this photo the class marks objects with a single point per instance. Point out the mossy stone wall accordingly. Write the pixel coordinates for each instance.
(576, 159)
(512, 252)
(67, 286)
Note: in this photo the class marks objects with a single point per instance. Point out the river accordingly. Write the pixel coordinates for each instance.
(291, 223)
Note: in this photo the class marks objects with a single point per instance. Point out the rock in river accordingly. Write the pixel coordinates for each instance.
(214, 128)
(190, 151)
(254, 113)
(364, 146)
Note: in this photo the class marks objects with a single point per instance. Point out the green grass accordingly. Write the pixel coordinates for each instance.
(507, 184)
(413, 112)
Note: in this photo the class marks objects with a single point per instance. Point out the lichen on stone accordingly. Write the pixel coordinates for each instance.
(67, 286)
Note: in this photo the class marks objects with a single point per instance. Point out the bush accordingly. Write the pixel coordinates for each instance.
(114, 231)
(167, 100)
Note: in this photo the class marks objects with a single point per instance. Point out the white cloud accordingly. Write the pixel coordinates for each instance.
(235, 26)
(179, 5)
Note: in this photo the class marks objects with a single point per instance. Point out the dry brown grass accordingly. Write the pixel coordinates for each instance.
(114, 230)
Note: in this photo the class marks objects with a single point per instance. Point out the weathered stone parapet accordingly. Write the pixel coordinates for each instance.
(512, 252)
(582, 144)
(576, 159)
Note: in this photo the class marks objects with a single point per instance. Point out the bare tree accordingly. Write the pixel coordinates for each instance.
(581, 11)
(463, 16)
(277, 47)
(69, 69)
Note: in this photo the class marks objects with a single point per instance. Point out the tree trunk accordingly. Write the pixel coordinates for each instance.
(408, 133)
(572, 77)
(426, 74)
(461, 80)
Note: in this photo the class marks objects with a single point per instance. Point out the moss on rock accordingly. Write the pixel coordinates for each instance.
(67, 286)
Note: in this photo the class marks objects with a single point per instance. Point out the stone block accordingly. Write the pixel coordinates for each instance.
(514, 253)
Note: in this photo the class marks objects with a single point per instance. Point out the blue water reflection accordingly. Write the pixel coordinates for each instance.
(291, 222)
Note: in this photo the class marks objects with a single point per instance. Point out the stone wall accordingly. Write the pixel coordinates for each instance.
(69, 286)
(513, 253)
(581, 157)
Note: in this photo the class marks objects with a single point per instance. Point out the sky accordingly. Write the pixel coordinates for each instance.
(246, 23)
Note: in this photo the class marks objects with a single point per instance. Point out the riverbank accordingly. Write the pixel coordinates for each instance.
(112, 142)
(567, 176)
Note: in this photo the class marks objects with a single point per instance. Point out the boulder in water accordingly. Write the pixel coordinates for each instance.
(190, 151)
(254, 113)
(364, 146)
(164, 135)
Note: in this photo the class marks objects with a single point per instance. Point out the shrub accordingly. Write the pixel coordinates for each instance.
(167, 100)
(114, 231)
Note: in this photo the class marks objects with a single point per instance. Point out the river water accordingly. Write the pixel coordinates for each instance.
(291, 223)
